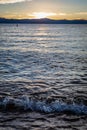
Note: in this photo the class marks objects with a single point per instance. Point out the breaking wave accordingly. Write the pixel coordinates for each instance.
(27, 104)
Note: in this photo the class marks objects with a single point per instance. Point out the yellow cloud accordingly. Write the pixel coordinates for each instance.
(82, 13)
(62, 14)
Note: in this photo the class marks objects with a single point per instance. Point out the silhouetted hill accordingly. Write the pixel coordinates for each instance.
(41, 21)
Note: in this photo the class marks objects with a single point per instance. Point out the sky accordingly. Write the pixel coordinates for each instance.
(53, 9)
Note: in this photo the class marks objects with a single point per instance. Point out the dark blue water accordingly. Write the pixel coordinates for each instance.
(43, 69)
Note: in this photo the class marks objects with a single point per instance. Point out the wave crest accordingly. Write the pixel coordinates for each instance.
(25, 103)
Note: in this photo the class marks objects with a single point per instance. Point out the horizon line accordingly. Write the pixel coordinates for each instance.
(41, 19)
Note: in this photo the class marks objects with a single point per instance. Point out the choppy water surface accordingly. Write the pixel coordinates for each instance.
(43, 77)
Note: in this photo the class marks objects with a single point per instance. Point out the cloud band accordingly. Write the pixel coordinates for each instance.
(11, 1)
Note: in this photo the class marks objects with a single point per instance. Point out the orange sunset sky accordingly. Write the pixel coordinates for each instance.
(53, 9)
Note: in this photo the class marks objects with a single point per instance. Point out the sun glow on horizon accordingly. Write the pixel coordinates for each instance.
(39, 15)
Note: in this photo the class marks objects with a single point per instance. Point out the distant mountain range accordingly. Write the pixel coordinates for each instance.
(41, 21)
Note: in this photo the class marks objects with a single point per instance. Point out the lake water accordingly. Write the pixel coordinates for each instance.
(43, 77)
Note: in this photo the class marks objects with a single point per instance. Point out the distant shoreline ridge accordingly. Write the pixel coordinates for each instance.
(41, 21)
